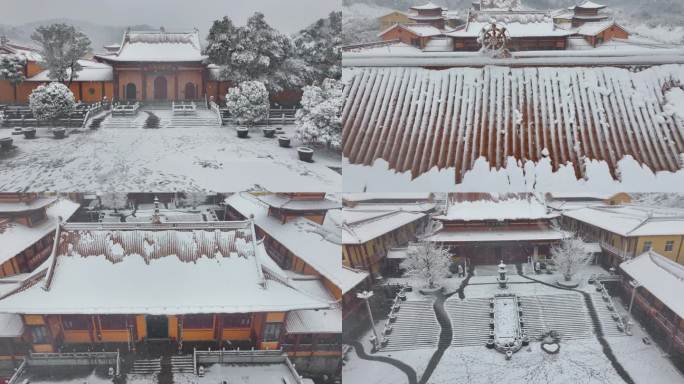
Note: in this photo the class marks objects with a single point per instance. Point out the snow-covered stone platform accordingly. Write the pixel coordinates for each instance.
(161, 160)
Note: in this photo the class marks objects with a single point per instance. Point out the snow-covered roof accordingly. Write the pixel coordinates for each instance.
(450, 118)
(173, 268)
(314, 320)
(17, 237)
(351, 278)
(317, 245)
(422, 30)
(27, 205)
(30, 53)
(158, 46)
(632, 220)
(394, 206)
(427, 7)
(500, 209)
(590, 196)
(533, 24)
(662, 277)
(11, 325)
(363, 225)
(283, 201)
(396, 196)
(500, 4)
(593, 29)
(588, 5)
(92, 71)
(494, 235)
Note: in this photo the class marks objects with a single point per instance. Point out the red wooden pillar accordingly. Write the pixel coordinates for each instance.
(175, 85)
(144, 84)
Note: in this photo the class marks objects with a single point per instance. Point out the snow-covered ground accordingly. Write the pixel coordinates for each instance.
(161, 160)
(513, 178)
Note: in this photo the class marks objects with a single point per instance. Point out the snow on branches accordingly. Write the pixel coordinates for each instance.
(248, 103)
(194, 199)
(319, 46)
(570, 256)
(12, 68)
(255, 51)
(318, 121)
(429, 261)
(51, 101)
(114, 200)
(61, 48)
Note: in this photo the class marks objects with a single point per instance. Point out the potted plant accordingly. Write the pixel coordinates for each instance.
(284, 141)
(243, 132)
(269, 132)
(6, 143)
(59, 133)
(29, 133)
(305, 154)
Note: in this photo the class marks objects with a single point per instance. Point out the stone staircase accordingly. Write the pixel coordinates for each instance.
(608, 325)
(146, 366)
(182, 364)
(416, 327)
(125, 121)
(564, 313)
(470, 321)
(202, 118)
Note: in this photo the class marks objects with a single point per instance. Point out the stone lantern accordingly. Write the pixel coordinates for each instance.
(502, 278)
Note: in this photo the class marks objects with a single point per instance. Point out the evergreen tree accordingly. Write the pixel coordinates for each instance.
(62, 46)
(319, 46)
(12, 69)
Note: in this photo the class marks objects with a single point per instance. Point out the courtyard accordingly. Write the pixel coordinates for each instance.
(592, 349)
(162, 160)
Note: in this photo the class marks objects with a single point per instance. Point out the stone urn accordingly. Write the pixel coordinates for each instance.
(305, 154)
(29, 133)
(269, 132)
(6, 143)
(284, 141)
(243, 132)
(59, 133)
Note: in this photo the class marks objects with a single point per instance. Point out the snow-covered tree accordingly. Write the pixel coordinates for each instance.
(61, 48)
(429, 261)
(248, 103)
(194, 199)
(570, 256)
(12, 69)
(114, 200)
(255, 51)
(318, 121)
(319, 46)
(51, 101)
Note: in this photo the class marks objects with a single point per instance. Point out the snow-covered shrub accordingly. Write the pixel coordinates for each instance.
(570, 256)
(248, 103)
(51, 101)
(429, 261)
(318, 121)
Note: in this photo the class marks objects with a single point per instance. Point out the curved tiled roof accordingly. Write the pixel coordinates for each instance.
(417, 119)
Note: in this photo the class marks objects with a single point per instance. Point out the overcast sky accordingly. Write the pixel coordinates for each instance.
(286, 15)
